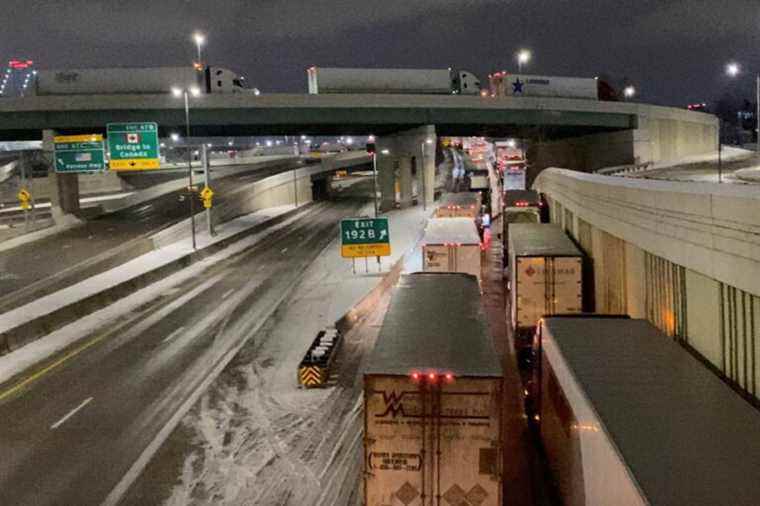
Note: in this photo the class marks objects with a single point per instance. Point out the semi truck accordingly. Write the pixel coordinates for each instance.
(520, 206)
(451, 245)
(505, 84)
(433, 398)
(627, 416)
(545, 278)
(325, 80)
(147, 80)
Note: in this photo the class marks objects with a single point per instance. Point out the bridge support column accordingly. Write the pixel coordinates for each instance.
(64, 188)
(406, 158)
(405, 181)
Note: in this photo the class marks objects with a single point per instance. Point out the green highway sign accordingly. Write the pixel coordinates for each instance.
(133, 146)
(365, 237)
(79, 153)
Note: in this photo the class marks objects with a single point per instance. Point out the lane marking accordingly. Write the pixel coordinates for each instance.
(70, 414)
(52, 366)
(283, 250)
(228, 293)
(173, 334)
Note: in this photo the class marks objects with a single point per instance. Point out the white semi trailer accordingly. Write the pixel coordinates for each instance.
(545, 278)
(392, 81)
(149, 80)
(504, 84)
(433, 399)
(628, 417)
(451, 245)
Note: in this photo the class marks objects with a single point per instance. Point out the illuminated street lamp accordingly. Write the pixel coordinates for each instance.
(629, 92)
(733, 69)
(523, 57)
(174, 136)
(200, 40)
(186, 92)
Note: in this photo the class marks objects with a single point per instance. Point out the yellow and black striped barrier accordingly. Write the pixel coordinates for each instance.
(311, 376)
(314, 369)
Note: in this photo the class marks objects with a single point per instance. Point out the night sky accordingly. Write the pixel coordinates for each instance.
(674, 51)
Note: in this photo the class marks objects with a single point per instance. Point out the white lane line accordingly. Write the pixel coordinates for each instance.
(227, 293)
(283, 250)
(71, 413)
(173, 335)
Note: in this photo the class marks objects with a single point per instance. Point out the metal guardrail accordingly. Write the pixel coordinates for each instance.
(314, 369)
(624, 169)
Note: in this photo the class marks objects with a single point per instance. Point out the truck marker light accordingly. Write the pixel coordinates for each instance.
(449, 377)
(415, 376)
(431, 376)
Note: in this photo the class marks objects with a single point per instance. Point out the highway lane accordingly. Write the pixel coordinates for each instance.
(73, 433)
(30, 263)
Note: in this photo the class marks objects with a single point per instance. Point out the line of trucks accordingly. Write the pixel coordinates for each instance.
(321, 80)
(624, 414)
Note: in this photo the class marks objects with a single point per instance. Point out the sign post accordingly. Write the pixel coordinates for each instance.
(79, 153)
(133, 146)
(365, 237)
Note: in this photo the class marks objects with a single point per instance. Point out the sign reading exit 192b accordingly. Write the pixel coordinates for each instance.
(365, 237)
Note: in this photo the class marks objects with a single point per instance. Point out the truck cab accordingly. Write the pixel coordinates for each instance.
(466, 83)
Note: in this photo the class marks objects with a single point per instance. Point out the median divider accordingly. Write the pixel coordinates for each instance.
(314, 369)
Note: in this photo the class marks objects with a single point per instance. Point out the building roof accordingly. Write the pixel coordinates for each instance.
(451, 230)
(435, 323)
(540, 240)
(686, 436)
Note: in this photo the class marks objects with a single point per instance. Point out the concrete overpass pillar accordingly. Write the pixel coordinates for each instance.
(405, 180)
(394, 164)
(64, 188)
(387, 166)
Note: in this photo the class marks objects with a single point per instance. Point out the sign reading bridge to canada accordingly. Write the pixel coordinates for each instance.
(365, 237)
(133, 146)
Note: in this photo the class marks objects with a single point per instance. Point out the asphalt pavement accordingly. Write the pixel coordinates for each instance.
(72, 249)
(73, 432)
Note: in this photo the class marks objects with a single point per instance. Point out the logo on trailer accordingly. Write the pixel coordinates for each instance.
(530, 271)
(517, 86)
(394, 405)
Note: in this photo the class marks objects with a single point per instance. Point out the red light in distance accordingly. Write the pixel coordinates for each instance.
(431, 376)
(449, 376)
(415, 376)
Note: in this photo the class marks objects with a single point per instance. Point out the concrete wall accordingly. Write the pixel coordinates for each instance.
(685, 256)
(663, 134)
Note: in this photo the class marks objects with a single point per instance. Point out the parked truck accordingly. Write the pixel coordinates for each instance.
(627, 416)
(324, 80)
(505, 84)
(519, 206)
(451, 245)
(545, 278)
(433, 398)
(146, 80)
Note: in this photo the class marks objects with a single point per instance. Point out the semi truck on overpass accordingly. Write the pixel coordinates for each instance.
(147, 80)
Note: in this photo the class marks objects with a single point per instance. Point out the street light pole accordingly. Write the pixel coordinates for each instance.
(757, 112)
(374, 182)
(720, 151)
(190, 167)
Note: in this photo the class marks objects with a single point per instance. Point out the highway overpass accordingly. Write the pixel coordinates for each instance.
(579, 134)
